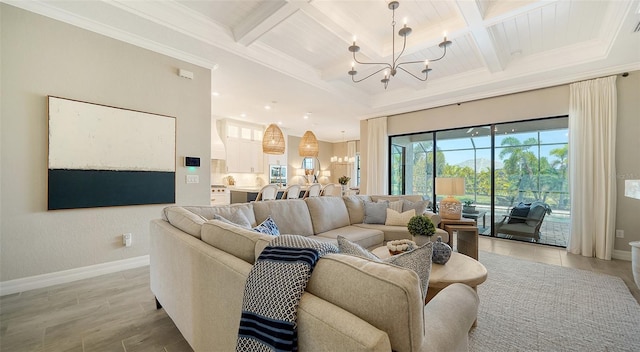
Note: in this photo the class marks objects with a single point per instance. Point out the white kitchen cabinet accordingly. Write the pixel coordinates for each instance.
(244, 149)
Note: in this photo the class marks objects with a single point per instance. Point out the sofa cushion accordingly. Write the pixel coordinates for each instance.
(392, 233)
(327, 213)
(291, 215)
(268, 227)
(409, 197)
(225, 211)
(420, 206)
(234, 240)
(375, 213)
(395, 218)
(367, 238)
(185, 220)
(355, 207)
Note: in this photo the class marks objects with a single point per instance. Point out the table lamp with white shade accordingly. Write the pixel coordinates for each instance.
(450, 208)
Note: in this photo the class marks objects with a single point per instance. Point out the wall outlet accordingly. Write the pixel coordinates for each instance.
(620, 233)
(126, 239)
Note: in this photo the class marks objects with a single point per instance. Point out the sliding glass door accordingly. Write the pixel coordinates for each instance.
(503, 166)
(531, 167)
(466, 153)
(412, 164)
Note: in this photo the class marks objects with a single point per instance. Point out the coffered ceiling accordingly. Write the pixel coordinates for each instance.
(294, 53)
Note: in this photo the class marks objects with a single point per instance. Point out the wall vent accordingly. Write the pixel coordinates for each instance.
(637, 29)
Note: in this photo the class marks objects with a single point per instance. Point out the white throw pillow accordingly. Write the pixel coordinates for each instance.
(395, 218)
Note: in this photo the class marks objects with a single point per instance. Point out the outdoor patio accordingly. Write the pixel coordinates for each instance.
(554, 230)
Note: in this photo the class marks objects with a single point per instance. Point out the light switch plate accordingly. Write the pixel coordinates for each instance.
(193, 179)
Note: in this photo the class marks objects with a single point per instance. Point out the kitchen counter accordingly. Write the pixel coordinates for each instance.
(249, 194)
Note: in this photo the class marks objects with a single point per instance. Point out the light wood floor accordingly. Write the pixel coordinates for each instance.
(116, 312)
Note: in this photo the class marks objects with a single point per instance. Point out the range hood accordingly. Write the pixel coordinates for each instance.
(218, 151)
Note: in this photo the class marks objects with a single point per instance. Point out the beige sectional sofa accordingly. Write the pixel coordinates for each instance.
(199, 266)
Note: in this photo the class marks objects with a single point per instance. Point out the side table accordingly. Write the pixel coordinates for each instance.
(466, 240)
(461, 221)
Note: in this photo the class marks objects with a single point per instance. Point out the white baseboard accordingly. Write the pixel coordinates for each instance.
(61, 277)
(621, 255)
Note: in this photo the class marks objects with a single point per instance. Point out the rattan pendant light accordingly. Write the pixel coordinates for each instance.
(273, 140)
(308, 145)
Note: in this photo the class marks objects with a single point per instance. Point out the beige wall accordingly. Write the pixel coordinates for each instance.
(547, 102)
(627, 159)
(43, 57)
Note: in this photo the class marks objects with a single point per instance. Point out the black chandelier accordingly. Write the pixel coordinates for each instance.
(392, 68)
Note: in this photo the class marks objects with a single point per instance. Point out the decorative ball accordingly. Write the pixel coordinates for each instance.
(441, 252)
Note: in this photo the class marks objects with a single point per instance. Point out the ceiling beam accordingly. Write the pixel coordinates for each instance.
(480, 34)
(264, 18)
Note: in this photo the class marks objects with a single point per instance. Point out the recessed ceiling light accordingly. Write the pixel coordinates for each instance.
(280, 123)
(243, 115)
(267, 107)
(215, 94)
(306, 116)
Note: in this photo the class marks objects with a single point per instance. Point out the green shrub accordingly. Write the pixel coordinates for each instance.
(421, 225)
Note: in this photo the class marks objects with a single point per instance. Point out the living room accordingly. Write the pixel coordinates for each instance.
(42, 56)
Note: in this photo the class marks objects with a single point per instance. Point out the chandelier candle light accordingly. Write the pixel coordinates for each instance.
(390, 69)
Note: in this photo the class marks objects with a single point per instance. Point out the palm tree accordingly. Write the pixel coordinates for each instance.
(517, 163)
(561, 166)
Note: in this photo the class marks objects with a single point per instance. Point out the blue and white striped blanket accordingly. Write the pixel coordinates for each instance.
(273, 291)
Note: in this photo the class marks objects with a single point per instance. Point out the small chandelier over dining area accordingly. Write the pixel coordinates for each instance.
(390, 69)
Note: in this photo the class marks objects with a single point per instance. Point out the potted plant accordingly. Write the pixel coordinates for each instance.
(343, 180)
(421, 229)
(468, 207)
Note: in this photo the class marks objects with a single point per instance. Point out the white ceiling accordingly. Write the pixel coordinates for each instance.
(295, 53)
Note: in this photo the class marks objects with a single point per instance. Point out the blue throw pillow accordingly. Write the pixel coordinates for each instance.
(268, 226)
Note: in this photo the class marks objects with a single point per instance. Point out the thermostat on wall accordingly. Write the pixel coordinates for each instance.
(191, 161)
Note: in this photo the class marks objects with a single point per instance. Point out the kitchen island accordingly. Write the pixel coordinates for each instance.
(249, 194)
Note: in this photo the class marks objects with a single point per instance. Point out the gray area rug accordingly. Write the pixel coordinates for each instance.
(527, 306)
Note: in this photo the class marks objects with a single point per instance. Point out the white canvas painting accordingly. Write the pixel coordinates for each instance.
(87, 136)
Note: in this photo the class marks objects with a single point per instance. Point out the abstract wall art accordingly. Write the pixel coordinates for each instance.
(103, 156)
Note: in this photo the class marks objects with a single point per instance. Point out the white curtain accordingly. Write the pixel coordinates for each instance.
(592, 171)
(377, 169)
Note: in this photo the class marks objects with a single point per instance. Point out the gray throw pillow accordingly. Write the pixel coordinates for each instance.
(420, 207)
(375, 213)
(237, 219)
(418, 260)
(347, 247)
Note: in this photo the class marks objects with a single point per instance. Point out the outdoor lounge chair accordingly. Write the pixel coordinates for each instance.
(524, 220)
